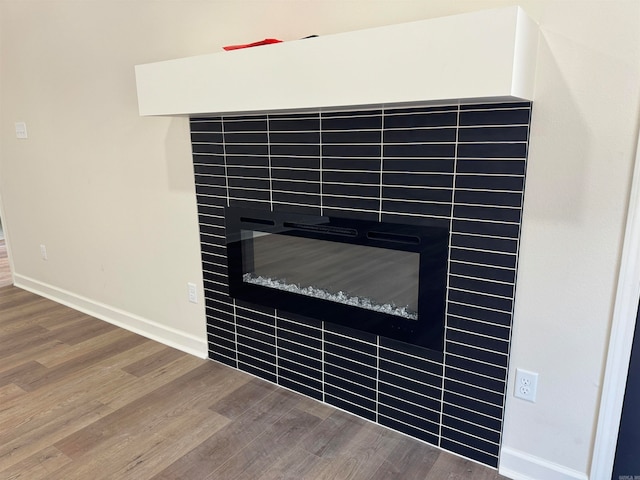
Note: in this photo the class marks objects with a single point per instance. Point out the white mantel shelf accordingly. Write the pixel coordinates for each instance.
(482, 55)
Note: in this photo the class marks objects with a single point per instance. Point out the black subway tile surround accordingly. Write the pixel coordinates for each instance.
(462, 166)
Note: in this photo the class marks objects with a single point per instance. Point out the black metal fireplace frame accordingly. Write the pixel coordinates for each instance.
(430, 242)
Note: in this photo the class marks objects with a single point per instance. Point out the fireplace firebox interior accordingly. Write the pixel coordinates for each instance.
(383, 278)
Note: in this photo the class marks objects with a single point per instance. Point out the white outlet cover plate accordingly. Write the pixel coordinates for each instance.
(21, 130)
(192, 292)
(526, 385)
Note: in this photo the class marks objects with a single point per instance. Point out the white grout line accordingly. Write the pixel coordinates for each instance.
(446, 313)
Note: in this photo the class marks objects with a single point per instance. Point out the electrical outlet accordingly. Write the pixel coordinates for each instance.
(21, 130)
(43, 252)
(526, 385)
(192, 292)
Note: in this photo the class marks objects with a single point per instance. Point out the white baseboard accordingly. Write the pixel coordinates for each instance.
(519, 465)
(134, 323)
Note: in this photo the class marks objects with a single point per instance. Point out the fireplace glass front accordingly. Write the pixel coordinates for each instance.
(384, 278)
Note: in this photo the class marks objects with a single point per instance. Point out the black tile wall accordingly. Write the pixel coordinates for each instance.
(462, 166)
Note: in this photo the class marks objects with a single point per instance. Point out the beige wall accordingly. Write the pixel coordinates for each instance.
(583, 135)
(111, 195)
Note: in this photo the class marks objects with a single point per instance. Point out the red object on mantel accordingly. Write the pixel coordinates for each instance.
(266, 41)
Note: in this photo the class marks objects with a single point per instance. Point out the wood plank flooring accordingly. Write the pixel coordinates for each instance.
(82, 399)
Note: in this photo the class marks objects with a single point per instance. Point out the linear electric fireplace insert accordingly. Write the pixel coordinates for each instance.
(384, 278)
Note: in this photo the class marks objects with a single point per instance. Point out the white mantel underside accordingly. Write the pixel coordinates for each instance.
(482, 55)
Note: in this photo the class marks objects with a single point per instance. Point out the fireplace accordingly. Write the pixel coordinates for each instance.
(380, 277)
(411, 149)
(454, 172)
